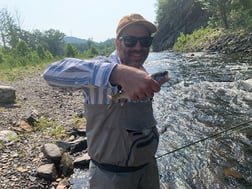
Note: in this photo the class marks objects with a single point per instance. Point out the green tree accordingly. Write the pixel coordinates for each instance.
(70, 50)
(53, 40)
(175, 16)
(219, 9)
(91, 52)
(22, 49)
(163, 7)
(9, 30)
(43, 53)
(234, 14)
(22, 54)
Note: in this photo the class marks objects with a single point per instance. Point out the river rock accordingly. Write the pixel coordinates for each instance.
(7, 135)
(52, 151)
(75, 146)
(47, 171)
(31, 117)
(7, 94)
(66, 164)
(82, 161)
(63, 184)
(79, 145)
(23, 126)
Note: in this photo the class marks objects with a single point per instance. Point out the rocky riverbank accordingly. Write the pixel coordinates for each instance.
(22, 155)
(228, 43)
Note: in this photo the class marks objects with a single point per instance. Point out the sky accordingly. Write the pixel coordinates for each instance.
(86, 19)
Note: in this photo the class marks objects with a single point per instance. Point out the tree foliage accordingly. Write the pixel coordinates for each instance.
(186, 16)
(22, 49)
(43, 53)
(53, 40)
(9, 30)
(175, 16)
(70, 50)
(19, 47)
(230, 14)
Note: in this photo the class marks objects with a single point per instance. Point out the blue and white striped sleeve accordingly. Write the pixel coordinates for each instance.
(74, 73)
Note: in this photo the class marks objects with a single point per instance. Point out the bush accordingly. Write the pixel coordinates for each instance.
(43, 53)
(70, 51)
(191, 42)
(22, 49)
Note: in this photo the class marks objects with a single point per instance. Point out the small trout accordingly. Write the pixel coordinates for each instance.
(160, 77)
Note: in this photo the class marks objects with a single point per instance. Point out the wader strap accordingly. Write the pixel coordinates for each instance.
(117, 169)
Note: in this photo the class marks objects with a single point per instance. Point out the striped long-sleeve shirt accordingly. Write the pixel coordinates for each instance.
(92, 76)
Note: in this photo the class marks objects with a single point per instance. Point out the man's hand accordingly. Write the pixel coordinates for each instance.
(136, 83)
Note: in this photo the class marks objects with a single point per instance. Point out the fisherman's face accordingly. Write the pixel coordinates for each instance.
(133, 54)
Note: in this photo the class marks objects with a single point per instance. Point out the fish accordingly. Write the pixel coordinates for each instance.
(161, 77)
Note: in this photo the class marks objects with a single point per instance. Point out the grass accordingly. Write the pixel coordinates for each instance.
(18, 73)
(12, 137)
(50, 128)
(192, 42)
(58, 132)
(79, 122)
(201, 38)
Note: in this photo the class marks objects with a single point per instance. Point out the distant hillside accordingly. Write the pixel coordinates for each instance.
(74, 40)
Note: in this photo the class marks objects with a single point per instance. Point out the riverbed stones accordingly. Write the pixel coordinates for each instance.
(7, 135)
(52, 151)
(47, 171)
(66, 164)
(78, 145)
(82, 161)
(61, 162)
(7, 94)
(22, 125)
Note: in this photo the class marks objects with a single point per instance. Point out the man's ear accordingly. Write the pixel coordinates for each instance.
(117, 42)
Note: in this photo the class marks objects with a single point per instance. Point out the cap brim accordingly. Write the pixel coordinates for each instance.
(148, 25)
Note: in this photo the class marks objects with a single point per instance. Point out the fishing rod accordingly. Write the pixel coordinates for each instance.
(206, 138)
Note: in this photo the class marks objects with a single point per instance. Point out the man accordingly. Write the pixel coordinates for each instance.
(122, 136)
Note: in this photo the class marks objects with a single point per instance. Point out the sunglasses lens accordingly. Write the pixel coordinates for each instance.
(146, 41)
(131, 41)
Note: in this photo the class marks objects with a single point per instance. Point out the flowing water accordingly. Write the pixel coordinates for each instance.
(207, 95)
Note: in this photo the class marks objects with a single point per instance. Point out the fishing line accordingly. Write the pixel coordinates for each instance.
(206, 138)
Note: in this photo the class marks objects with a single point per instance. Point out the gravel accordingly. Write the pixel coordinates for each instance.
(20, 158)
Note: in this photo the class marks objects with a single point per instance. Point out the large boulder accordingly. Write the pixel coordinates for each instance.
(7, 94)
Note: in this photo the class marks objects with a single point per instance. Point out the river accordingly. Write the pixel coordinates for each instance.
(204, 117)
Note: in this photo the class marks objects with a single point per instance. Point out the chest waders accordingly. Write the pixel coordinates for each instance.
(121, 138)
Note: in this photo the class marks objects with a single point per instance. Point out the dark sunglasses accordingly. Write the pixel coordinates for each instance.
(131, 41)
